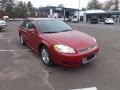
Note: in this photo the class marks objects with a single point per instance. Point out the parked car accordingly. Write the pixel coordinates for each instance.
(6, 18)
(61, 18)
(57, 43)
(109, 21)
(3, 24)
(67, 19)
(75, 19)
(94, 20)
(11, 19)
(18, 19)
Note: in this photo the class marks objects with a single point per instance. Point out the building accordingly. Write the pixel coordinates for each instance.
(61, 12)
(56, 12)
(100, 14)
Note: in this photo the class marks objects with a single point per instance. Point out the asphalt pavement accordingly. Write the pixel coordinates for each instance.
(22, 69)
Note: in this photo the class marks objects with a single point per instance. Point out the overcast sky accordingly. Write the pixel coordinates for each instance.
(67, 3)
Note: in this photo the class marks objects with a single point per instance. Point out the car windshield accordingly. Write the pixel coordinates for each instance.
(53, 26)
(110, 19)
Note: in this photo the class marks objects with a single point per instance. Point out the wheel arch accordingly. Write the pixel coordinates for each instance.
(49, 50)
(43, 43)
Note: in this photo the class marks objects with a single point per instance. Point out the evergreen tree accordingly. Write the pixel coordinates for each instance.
(30, 9)
(10, 10)
(21, 10)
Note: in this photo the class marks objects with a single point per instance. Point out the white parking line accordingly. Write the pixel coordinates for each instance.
(91, 88)
(7, 50)
(6, 38)
(11, 50)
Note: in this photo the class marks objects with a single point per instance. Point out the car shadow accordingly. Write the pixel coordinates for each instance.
(1, 31)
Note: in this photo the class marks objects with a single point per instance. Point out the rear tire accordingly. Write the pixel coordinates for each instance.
(46, 56)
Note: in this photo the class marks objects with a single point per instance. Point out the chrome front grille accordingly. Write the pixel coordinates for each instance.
(87, 49)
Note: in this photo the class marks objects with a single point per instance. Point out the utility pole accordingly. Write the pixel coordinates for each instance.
(17, 2)
(79, 12)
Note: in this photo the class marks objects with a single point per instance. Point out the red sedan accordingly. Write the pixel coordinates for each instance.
(57, 43)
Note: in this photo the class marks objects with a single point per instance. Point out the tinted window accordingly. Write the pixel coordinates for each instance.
(51, 26)
(30, 25)
(24, 24)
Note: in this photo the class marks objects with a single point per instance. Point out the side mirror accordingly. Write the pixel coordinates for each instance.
(32, 28)
(33, 31)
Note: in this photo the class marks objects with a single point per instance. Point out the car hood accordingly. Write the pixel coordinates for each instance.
(1, 21)
(109, 20)
(74, 39)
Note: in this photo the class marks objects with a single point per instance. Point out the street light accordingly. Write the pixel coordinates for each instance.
(16, 2)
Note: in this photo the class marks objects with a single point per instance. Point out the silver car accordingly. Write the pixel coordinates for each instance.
(3, 24)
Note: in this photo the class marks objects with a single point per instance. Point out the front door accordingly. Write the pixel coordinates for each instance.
(33, 35)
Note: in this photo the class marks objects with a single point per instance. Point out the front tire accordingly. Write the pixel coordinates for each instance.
(46, 56)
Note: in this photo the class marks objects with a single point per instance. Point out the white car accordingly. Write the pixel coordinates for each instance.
(109, 21)
(60, 18)
(11, 19)
(74, 19)
(3, 24)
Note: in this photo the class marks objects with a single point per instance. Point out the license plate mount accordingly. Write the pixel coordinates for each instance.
(89, 58)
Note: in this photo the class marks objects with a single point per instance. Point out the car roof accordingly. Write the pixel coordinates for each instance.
(35, 19)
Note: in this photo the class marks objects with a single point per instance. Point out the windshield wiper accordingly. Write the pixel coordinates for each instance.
(57, 32)
(50, 32)
(65, 30)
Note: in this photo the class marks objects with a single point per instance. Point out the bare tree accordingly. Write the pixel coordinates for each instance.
(108, 5)
(112, 3)
(94, 4)
(116, 3)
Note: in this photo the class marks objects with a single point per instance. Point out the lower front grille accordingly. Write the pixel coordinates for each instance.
(87, 49)
(91, 56)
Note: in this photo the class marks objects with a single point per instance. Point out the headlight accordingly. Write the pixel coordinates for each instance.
(64, 49)
(94, 40)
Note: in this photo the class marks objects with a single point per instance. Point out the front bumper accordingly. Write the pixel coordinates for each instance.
(74, 60)
(109, 22)
(3, 26)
